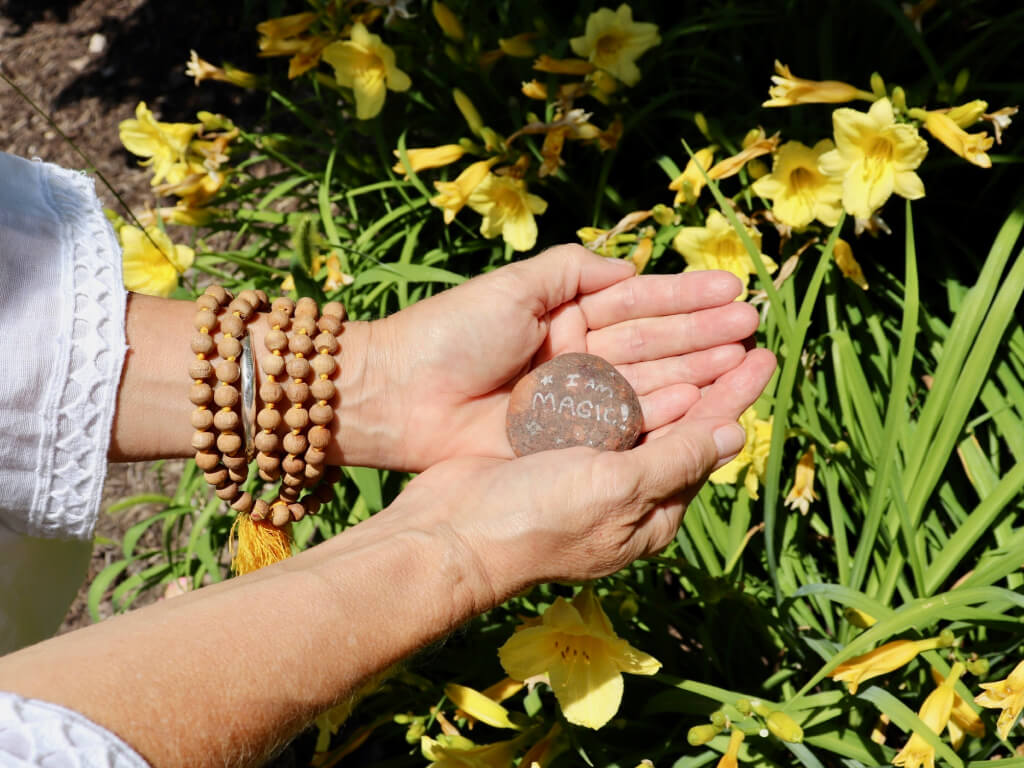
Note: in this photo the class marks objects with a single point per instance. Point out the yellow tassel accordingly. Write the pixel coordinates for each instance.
(259, 543)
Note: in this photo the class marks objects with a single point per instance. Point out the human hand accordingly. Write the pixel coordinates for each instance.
(578, 513)
(446, 365)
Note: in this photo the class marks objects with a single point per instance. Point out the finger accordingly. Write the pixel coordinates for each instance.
(667, 404)
(659, 295)
(653, 338)
(731, 394)
(559, 274)
(697, 368)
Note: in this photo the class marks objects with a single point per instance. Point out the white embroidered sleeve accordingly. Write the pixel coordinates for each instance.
(62, 306)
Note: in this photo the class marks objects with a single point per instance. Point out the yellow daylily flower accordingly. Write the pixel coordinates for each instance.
(453, 195)
(874, 156)
(448, 21)
(479, 706)
(201, 70)
(802, 493)
(164, 144)
(428, 157)
(543, 753)
(576, 646)
(789, 90)
(848, 265)
(367, 66)
(151, 262)
(755, 144)
(753, 455)
(963, 719)
(285, 36)
(613, 42)
(728, 760)
(882, 660)
(689, 184)
(799, 192)
(469, 111)
(1007, 695)
(545, 63)
(934, 714)
(972, 147)
(451, 751)
(193, 183)
(717, 245)
(507, 209)
(518, 46)
(534, 89)
(966, 115)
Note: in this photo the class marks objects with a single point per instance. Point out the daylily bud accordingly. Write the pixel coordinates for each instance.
(899, 99)
(968, 114)
(743, 706)
(858, 618)
(702, 125)
(978, 667)
(784, 727)
(468, 110)
(663, 214)
(877, 85)
(702, 734)
(628, 608)
(448, 21)
(960, 84)
(718, 719)
(946, 638)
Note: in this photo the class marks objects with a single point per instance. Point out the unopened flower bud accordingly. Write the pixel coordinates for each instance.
(702, 734)
(702, 125)
(877, 85)
(899, 99)
(784, 728)
(978, 667)
(662, 214)
(628, 608)
(960, 84)
(966, 115)
(718, 719)
(946, 638)
(743, 706)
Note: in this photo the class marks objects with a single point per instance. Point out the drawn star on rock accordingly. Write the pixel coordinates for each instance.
(546, 380)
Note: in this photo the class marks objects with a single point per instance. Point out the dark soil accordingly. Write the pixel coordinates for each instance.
(85, 64)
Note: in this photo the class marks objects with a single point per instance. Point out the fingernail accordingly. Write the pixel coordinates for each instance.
(729, 439)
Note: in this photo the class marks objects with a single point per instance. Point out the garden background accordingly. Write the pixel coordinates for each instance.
(895, 426)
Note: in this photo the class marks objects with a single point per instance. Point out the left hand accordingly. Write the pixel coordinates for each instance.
(443, 369)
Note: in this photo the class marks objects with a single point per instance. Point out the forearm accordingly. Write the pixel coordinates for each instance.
(153, 409)
(237, 668)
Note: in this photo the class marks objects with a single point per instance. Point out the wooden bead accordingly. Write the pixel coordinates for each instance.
(229, 347)
(322, 389)
(297, 391)
(238, 475)
(315, 457)
(300, 344)
(266, 442)
(273, 365)
(204, 319)
(201, 343)
(201, 418)
(312, 473)
(298, 368)
(297, 510)
(216, 477)
(325, 342)
(200, 394)
(306, 307)
(279, 515)
(260, 510)
(206, 301)
(250, 296)
(319, 437)
(330, 324)
(269, 418)
(293, 465)
(312, 504)
(305, 326)
(226, 421)
(275, 340)
(270, 475)
(241, 308)
(243, 503)
(334, 309)
(200, 369)
(323, 365)
(270, 392)
(262, 296)
(279, 319)
(321, 414)
(267, 462)
(219, 293)
(229, 442)
(226, 396)
(294, 442)
(296, 418)
(233, 461)
(228, 371)
(290, 492)
(283, 304)
(203, 440)
(232, 325)
(207, 460)
(293, 481)
(227, 492)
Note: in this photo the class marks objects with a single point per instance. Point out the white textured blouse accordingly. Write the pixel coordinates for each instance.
(62, 308)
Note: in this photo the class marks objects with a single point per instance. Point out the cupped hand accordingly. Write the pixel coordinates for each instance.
(578, 513)
(449, 363)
